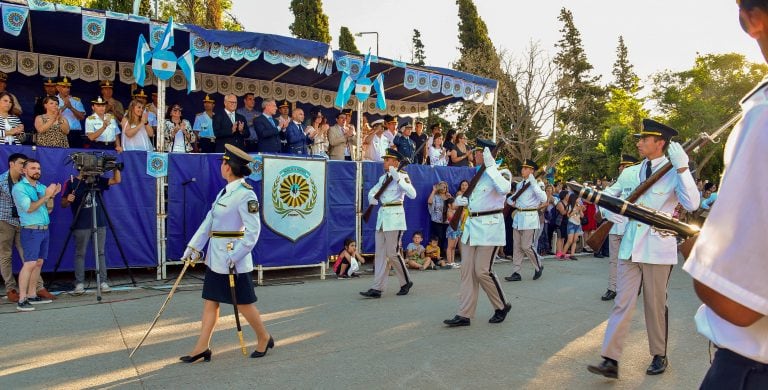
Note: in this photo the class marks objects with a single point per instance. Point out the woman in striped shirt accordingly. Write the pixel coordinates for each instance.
(10, 125)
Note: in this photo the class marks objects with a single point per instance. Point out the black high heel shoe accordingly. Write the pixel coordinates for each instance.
(270, 344)
(206, 355)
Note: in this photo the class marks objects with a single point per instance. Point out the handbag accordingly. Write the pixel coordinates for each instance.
(584, 221)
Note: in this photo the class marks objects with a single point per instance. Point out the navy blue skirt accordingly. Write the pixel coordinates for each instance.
(216, 288)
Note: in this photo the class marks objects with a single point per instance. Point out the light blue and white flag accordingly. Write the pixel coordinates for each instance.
(409, 81)
(422, 81)
(94, 29)
(458, 88)
(363, 88)
(346, 85)
(342, 65)
(143, 54)
(366, 67)
(14, 17)
(355, 66)
(157, 164)
(257, 167)
(163, 64)
(447, 88)
(187, 65)
(166, 41)
(378, 86)
(435, 81)
(399, 64)
(69, 8)
(41, 5)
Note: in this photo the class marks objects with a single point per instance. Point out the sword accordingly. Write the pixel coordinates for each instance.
(234, 304)
(187, 262)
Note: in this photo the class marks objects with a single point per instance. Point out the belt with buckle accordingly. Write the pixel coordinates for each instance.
(219, 234)
(484, 213)
(36, 227)
(392, 204)
(527, 209)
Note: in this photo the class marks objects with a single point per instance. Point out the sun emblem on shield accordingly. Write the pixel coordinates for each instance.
(294, 194)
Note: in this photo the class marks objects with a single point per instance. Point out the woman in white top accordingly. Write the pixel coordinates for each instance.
(10, 125)
(136, 129)
(438, 157)
(178, 131)
(320, 125)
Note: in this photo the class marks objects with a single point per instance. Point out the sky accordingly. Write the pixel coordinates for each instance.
(659, 34)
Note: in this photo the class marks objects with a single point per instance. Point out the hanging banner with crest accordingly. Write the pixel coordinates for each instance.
(294, 195)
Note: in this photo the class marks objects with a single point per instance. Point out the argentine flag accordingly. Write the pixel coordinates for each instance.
(143, 54)
(187, 65)
(164, 64)
(166, 42)
(378, 86)
(345, 90)
(363, 88)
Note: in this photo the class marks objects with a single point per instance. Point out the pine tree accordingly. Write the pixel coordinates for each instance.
(418, 56)
(347, 41)
(309, 21)
(623, 72)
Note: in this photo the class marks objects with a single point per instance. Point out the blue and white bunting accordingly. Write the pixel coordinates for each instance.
(94, 29)
(69, 8)
(447, 87)
(187, 65)
(166, 40)
(156, 31)
(458, 88)
(252, 54)
(198, 45)
(157, 164)
(257, 167)
(378, 86)
(479, 95)
(143, 54)
(355, 67)
(469, 90)
(399, 64)
(422, 81)
(163, 64)
(14, 17)
(342, 65)
(435, 82)
(41, 5)
(410, 79)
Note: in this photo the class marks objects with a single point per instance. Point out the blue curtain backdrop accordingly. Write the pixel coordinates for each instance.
(131, 206)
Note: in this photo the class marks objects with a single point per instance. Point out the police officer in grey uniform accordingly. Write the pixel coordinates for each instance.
(390, 225)
(646, 256)
(483, 233)
(231, 229)
(622, 188)
(525, 222)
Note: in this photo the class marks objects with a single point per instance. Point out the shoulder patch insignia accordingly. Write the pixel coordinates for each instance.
(253, 206)
(407, 180)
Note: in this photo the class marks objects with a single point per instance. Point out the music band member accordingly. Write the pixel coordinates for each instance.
(526, 222)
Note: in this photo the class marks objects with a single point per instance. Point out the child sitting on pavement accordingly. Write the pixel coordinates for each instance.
(415, 253)
(348, 262)
(433, 253)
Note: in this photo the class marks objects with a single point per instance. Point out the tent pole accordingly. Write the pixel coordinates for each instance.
(495, 110)
(29, 32)
(358, 157)
(237, 70)
(161, 216)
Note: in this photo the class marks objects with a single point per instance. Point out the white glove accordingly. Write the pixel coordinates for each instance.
(617, 218)
(393, 172)
(461, 201)
(373, 202)
(188, 253)
(510, 202)
(677, 156)
(532, 180)
(488, 159)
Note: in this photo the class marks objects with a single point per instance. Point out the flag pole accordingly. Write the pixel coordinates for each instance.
(161, 189)
(359, 176)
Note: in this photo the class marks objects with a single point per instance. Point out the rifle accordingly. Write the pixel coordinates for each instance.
(460, 209)
(509, 209)
(598, 237)
(369, 209)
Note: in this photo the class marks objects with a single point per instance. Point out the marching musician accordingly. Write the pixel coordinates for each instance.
(231, 229)
(483, 233)
(646, 255)
(101, 128)
(390, 225)
(526, 222)
(728, 264)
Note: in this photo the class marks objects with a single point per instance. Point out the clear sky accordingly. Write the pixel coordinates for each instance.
(659, 34)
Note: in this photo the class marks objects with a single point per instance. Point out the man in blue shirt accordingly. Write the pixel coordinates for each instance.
(403, 142)
(34, 202)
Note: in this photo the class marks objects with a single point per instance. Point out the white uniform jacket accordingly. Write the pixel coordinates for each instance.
(391, 215)
(628, 180)
(488, 197)
(645, 245)
(527, 215)
(236, 211)
(93, 123)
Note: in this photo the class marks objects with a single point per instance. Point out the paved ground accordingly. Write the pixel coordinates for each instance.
(328, 337)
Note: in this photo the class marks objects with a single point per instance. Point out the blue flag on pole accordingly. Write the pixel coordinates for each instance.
(363, 88)
(187, 65)
(378, 86)
(163, 64)
(166, 42)
(345, 90)
(143, 54)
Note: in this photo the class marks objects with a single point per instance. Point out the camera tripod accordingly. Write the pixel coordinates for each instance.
(96, 200)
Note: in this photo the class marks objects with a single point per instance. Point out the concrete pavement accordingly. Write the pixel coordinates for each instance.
(328, 337)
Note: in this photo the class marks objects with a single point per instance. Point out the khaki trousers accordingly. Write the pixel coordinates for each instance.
(387, 248)
(614, 242)
(477, 271)
(653, 279)
(522, 244)
(10, 236)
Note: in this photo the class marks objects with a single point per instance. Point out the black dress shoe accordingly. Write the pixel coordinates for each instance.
(658, 365)
(608, 296)
(500, 314)
(405, 288)
(457, 321)
(538, 273)
(608, 368)
(371, 293)
(515, 277)
(599, 256)
(270, 345)
(206, 355)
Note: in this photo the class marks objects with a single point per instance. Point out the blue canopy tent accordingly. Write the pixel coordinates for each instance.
(49, 41)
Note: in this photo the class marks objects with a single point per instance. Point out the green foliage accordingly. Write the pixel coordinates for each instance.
(473, 33)
(213, 14)
(347, 41)
(418, 56)
(625, 77)
(309, 21)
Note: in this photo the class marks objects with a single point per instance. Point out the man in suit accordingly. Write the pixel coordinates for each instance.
(340, 137)
(266, 127)
(229, 126)
(297, 136)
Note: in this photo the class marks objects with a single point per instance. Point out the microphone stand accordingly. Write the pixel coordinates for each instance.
(184, 205)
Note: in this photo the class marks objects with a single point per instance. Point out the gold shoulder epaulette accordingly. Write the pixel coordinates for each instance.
(75, 97)
(246, 185)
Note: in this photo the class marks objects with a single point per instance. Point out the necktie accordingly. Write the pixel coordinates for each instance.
(232, 117)
(272, 121)
(648, 170)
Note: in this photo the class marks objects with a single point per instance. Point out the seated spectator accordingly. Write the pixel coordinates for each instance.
(348, 261)
(52, 128)
(432, 251)
(416, 253)
(11, 127)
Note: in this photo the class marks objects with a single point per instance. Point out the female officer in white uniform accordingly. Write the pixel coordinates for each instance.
(231, 229)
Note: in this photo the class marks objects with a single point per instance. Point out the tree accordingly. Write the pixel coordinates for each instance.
(309, 21)
(624, 75)
(124, 6)
(213, 14)
(582, 109)
(418, 56)
(347, 41)
(703, 98)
